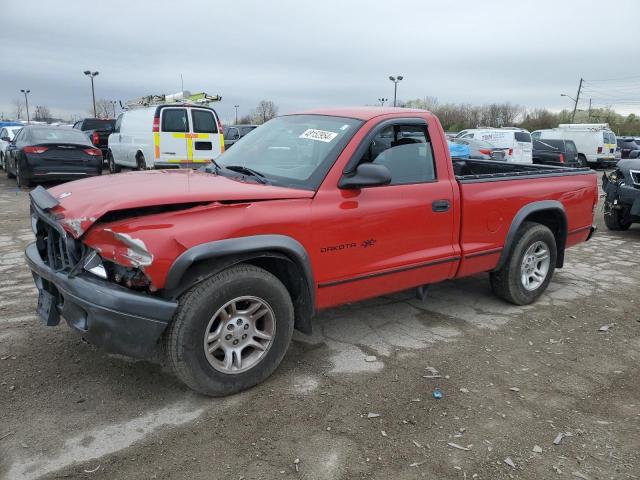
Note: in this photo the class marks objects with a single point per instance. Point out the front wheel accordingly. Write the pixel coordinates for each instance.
(113, 167)
(231, 331)
(583, 160)
(529, 268)
(614, 218)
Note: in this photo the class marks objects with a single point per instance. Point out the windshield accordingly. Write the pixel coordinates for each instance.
(295, 151)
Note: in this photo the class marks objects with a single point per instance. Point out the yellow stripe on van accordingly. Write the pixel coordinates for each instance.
(221, 143)
(190, 135)
(182, 160)
(156, 144)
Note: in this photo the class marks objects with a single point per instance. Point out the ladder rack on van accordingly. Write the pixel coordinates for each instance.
(184, 97)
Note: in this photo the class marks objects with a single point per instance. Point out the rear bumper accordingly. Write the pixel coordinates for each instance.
(105, 314)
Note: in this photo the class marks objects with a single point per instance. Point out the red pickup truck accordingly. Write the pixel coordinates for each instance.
(308, 211)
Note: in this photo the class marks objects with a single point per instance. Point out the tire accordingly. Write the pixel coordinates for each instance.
(508, 282)
(614, 218)
(199, 313)
(141, 163)
(2, 161)
(22, 182)
(583, 160)
(113, 167)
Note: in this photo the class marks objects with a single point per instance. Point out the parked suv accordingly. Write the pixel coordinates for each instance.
(234, 133)
(167, 136)
(562, 153)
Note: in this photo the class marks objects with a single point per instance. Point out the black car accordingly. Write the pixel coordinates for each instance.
(235, 132)
(626, 146)
(40, 153)
(560, 153)
(622, 195)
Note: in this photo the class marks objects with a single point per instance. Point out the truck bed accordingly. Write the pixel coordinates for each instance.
(468, 171)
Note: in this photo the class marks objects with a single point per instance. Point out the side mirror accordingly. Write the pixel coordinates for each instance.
(5, 139)
(366, 175)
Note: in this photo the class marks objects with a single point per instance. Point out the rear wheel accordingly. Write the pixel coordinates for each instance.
(2, 161)
(583, 160)
(231, 331)
(614, 218)
(20, 178)
(141, 163)
(528, 270)
(113, 167)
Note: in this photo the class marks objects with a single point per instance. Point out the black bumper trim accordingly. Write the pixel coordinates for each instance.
(105, 314)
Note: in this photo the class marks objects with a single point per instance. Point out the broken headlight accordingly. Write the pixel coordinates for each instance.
(129, 277)
(94, 264)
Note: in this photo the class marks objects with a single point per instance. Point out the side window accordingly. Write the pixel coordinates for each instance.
(468, 135)
(245, 130)
(406, 151)
(174, 120)
(570, 148)
(3, 133)
(203, 121)
(19, 136)
(116, 127)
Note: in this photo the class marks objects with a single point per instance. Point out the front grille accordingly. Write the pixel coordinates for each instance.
(57, 249)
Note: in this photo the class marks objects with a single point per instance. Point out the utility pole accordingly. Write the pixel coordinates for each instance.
(575, 106)
(236, 107)
(26, 101)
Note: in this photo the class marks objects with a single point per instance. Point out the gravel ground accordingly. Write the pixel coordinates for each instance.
(513, 379)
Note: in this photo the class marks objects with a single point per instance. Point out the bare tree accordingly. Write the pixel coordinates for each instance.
(41, 113)
(265, 111)
(104, 109)
(18, 108)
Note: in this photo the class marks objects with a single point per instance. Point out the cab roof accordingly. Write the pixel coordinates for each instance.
(361, 113)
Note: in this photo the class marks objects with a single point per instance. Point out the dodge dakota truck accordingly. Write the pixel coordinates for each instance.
(216, 267)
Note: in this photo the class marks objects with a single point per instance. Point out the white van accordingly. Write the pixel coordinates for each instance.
(516, 142)
(596, 143)
(165, 136)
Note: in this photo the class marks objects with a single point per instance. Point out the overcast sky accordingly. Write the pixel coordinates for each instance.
(303, 54)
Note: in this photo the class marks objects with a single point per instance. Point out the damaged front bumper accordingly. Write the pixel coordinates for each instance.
(104, 313)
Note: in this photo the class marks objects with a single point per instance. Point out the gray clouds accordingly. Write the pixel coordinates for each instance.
(303, 54)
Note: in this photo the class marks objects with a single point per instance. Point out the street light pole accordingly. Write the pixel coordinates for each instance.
(382, 100)
(113, 104)
(236, 107)
(26, 101)
(395, 81)
(91, 75)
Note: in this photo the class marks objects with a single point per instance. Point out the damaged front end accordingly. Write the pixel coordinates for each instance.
(107, 302)
(622, 194)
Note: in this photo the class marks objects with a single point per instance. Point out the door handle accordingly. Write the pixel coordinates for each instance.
(440, 205)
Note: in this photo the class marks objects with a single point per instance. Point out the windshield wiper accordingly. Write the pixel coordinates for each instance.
(215, 169)
(247, 171)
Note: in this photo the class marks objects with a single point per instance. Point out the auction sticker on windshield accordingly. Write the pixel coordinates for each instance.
(321, 135)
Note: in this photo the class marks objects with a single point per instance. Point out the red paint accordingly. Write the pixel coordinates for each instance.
(348, 234)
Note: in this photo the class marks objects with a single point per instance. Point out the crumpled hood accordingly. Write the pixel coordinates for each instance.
(83, 202)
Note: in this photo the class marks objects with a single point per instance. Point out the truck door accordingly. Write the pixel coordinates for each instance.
(203, 144)
(174, 127)
(374, 240)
